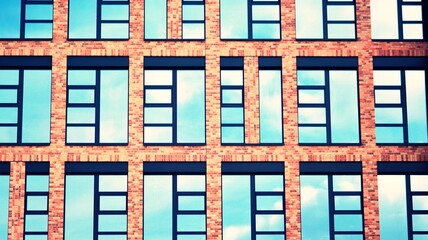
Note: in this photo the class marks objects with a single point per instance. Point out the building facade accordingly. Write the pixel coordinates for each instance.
(249, 119)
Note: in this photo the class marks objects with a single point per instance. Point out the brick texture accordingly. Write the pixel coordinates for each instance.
(135, 153)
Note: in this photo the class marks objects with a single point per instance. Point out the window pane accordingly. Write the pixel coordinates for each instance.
(81, 96)
(158, 96)
(309, 19)
(155, 21)
(37, 183)
(190, 237)
(420, 202)
(9, 77)
(232, 77)
(389, 135)
(36, 116)
(232, 135)
(419, 183)
(10, 19)
(340, 13)
(8, 134)
(236, 206)
(188, 223)
(312, 115)
(157, 207)
(266, 31)
(312, 135)
(348, 237)
(8, 96)
(81, 77)
(341, 31)
(113, 183)
(273, 222)
(412, 31)
(112, 203)
(193, 31)
(311, 96)
(114, 30)
(389, 115)
(269, 183)
(344, 107)
(416, 107)
(8, 115)
(232, 115)
(269, 237)
(387, 96)
(80, 115)
(310, 78)
(37, 203)
(82, 19)
(157, 115)
(346, 183)
(112, 237)
(412, 13)
(347, 203)
(4, 205)
(38, 30)
(420, 222)
(157, 77)
(114, 12)
(114, 106)
(233, 19)
(79, 207)
(80, 134)
(195, 203)
(269, 203)
(112, 223)
(387, 78)
(266, 12)
(193, 12)
(36, 237)
(348, 222)
(314, 207)
(36, 223)
(191, 106)
(231, 96)
(38, 12)
(186, 183)
(157, 134)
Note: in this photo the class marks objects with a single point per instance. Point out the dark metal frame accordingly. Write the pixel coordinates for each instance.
(39, 169)
(96, 170)
(331, 169)
(20, 64)
(252, 169)
(326, 64)
(174, 169)
(173, 64)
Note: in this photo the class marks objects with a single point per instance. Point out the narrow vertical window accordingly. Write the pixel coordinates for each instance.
(232, 100)
(36, 201)
(4, 199)
(253, 201)
(400, 100)
(97, 100)
(96, 196)
(331, 201)
(174, 101)
(174, 201)
(328, 110)
(270, 102)
(25, 100)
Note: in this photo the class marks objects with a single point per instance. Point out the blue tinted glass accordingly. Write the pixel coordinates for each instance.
(8, 134)
(232, 77)
(158, 77)
(38, 30)
(81, 96)
(80, 134)
(344, 107)
(312, 135)
(36, 237)
(37, 203)
(266, 12)
(193, 31)
(266, 31)
(38, 12)
(232, 135)
(271, 222)
(190, 223)
(420, 222)
(36, 106)
(309, 19)
(10, 18)
(37, 183)
(347, 203)
(4, 205)
(190, 237)
(158, 96)
(343, 183)
(155, 21)
(270, 106)
(157, 207)
(114, 106)
(384, 19)
(191, 183)
(314, 207)
(416, 107)
(113, 183)
(232, 115)
(389, 135)
(8, 115)
(340, 13)
(269, 203)
(348, 222)
(9, 77)
(114, 30)
(311, 96)
(81, 77)
(112, 223)
(114, 12)
(389, 115)
(190, 106)
(80, 115)
(269, 183)
(310, 78)
(157, 134)
(341, 31)
(236, 205)
(312, 115)
(82, 19)
(79, 207)
(8, 95)
(112, 237)
(233, 19)
(36, 223)
(191, 203)
(157, 115)
(388, 96)
(193, 12)
(420, 202)
(269, 237)
(231, 96)
(348, 237)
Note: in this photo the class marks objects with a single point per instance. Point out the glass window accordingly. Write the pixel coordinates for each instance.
(97, 105)
(247, 19)
(96, 203)
(174, 201)
(4, 199)
(328, 110)
(36, 200)
(174, 103)
(331, 203)
(397, 19)
(252, 203)
(104, 19)
(21, 19)
(25, 103)
(157, 21)
(325, 19)
(400, 106)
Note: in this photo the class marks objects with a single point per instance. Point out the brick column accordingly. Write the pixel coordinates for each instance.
(251, 100)
(16, 200)
(174, 19)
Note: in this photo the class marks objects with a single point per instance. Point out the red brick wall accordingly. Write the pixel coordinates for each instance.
(213, 153)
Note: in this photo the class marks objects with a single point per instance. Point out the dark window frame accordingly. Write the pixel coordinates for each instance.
(96, 169)
(331, 169)
(174, 169)
(327, 64)
(401, 64)
(252, 169)
(173, 64)
(21, 64)
(97, 64)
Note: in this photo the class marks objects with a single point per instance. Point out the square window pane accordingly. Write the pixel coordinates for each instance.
(412, 13)
(266, 12)
(115, 30)
(157, 134)
(158, 77)
(36, 223)
(81, 77)
(389, 135)
(388, 115)
(346, 183)
(190, 183)
(269, 183)
(340, 13)
(157, 115)
(347, 203)
(266, 31)
(232, 115)
(310, 78)
(193, 12)
(232, 77)
(269, 203)
(195, 203)
(158, 96)
(114, 12)
(271, 222)
(348, 222)
(113, 203)
(193, 31)
(388, 96)
(112, 223)
(81, 96)
(8, 134)
(188, 223)
(311, 96)
(420, 222)
(312, 115)
(413, 31)
(37, 183)
(37, 203)
(113, 183)
(80, 134)
(231, 96)
(312, 135)
(38, 12)
(341, 31)
(232, 135)
(80, 115)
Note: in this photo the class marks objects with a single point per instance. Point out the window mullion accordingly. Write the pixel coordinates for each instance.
(96, 205)
(174, 208)
(400, 19)
(325, 17)
(409, 207)
(404, 106)
(98, 30)
(253, 205)
(20, 103)
(250, 18)
(97, 102)
(174, 100)
(327, 106)
(331, 205)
